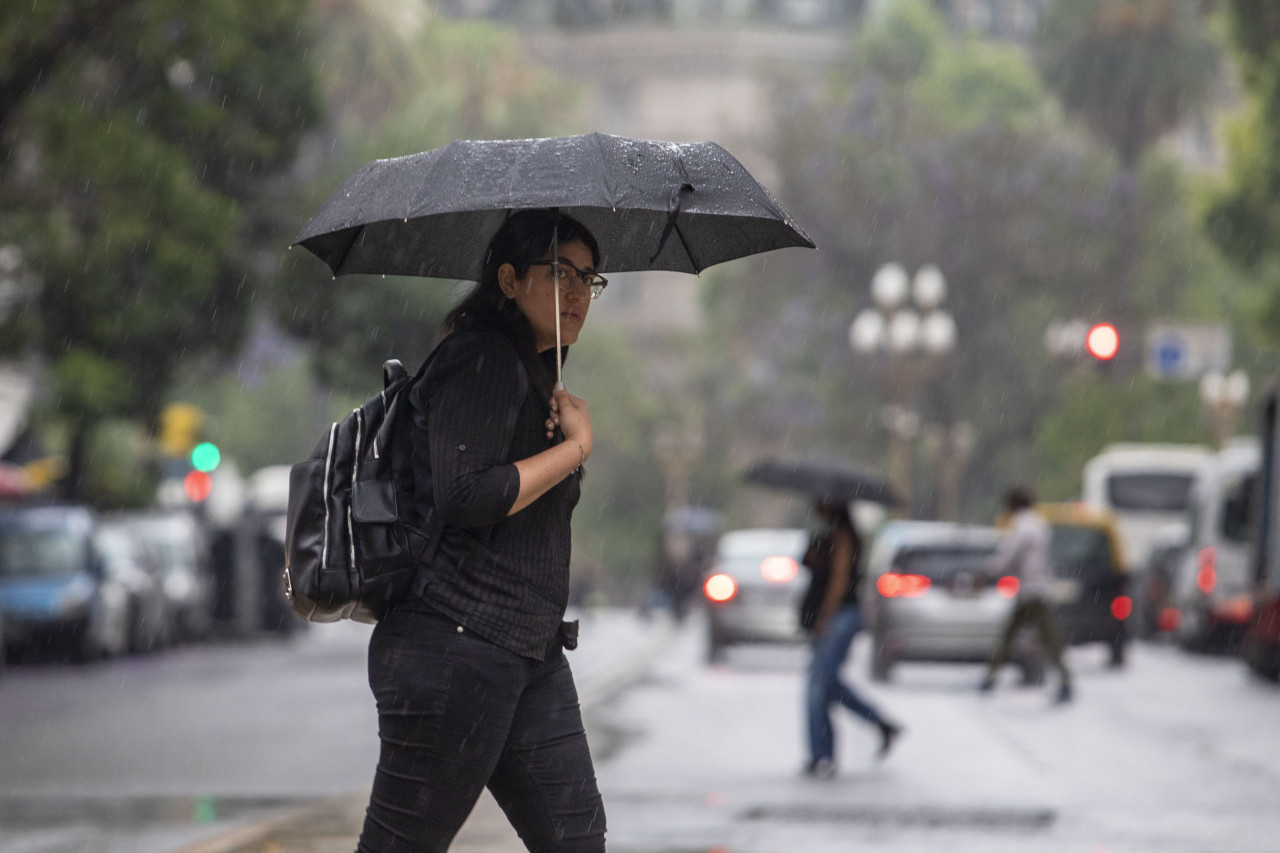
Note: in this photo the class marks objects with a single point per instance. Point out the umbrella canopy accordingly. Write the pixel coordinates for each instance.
(650, 205)
(824, 479)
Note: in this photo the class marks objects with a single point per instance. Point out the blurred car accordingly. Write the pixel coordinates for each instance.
(55, 590)
(925, 597)
(754, 587)
(1214, 581)
(178, 553)
(124, 560)
(1091, 595)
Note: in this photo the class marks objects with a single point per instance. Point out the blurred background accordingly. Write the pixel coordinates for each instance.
(986, 181)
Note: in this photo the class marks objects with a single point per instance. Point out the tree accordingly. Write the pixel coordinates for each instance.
(1131, 70)
(1244, 218)
(1016, 209)
(149, 143)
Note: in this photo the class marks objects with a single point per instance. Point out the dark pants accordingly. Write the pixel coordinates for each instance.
(1036, 612)
(826, 688)
(456, 714)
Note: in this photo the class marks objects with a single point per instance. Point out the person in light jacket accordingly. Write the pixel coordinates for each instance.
(1024, 554)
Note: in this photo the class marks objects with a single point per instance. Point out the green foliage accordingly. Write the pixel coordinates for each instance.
(1145, 411)
(1022, 215)
(149, 143)
(1244, 217)
(1133, 69)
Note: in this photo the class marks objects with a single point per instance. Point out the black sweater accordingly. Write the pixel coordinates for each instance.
(504, 577)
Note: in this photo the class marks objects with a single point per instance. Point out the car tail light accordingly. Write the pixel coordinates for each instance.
(720, 587)
(1207, 577)
(1008, 586)
(894, 585)
(779, 569)
(1169, 619)
(1121, 607)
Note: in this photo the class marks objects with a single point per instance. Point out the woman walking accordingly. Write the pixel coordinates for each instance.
(472, 685)
(831, 615)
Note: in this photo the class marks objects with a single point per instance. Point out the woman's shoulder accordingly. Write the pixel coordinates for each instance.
(474, 348)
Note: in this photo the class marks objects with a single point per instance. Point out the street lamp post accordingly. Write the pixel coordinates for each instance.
(1224, 396)
(907, 327)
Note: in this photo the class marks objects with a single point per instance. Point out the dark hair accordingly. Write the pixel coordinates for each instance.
(525, 237)
(1019, 497)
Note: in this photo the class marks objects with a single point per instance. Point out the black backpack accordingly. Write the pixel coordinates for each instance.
(352, 540)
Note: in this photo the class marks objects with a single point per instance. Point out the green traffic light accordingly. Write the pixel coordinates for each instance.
(205, 457)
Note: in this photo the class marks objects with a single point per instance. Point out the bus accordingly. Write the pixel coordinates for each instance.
(1148, 488)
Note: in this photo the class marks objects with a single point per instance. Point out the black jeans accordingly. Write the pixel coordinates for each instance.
(456, 714)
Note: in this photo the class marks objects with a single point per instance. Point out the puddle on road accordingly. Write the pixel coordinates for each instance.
(922, 817)
(133, 812)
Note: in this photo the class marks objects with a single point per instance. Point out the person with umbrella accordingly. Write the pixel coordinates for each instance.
(472, 685)
(830, 613)
(469, 674)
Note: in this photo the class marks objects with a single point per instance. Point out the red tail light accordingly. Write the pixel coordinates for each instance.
(1207, 576)
(1121, 607)
(1007, 586)
(720, 588)
(1169, 619)
(779, 569)
(894, 585)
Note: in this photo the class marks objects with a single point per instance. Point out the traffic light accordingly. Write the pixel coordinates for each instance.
(1102, 342)
(197, 485)
(205, 457)
(180, 425)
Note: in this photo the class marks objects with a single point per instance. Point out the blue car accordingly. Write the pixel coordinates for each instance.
(55, 590)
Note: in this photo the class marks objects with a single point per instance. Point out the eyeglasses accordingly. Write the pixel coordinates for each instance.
(566, 274)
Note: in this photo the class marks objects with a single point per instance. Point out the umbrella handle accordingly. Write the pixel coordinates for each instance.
(555, 285)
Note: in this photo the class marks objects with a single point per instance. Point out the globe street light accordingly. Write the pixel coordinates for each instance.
(907, 328)
(1224, 396)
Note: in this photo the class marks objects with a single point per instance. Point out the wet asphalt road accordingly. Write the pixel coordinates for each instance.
(1174, 753)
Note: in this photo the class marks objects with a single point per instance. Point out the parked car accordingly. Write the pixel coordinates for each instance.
(124, 560)
(55, 589)
(178, 552)
(925, 598)
(1091, 598)
(1214, 581)
(753, 588)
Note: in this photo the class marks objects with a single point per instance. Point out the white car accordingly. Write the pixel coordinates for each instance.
(754, 587)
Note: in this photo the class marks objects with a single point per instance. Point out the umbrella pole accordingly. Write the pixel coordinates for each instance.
(555, 283)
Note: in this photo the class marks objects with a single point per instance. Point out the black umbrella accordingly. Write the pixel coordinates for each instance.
(651, 206)
(825, 479)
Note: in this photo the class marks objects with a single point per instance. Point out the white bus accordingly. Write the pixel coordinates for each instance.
(1148, 487)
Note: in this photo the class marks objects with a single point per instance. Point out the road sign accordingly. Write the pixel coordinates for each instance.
(1186, 351)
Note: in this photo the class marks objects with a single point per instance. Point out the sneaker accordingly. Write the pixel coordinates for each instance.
(1063, 696)
(987, 685)
(823, 768)
(888, 734)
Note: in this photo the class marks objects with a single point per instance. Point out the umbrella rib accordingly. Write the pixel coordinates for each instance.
(687, 250)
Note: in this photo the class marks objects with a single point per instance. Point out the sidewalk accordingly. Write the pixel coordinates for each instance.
(615, 650)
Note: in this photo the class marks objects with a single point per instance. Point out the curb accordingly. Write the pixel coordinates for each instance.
(331, 825)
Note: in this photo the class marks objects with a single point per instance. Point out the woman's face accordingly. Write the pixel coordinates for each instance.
(535, 294)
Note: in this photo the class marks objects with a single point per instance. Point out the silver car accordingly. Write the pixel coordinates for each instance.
(925, 598)
(753, 588)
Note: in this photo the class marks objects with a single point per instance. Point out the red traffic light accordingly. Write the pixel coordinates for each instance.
(1103, 341)
(198, 486)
